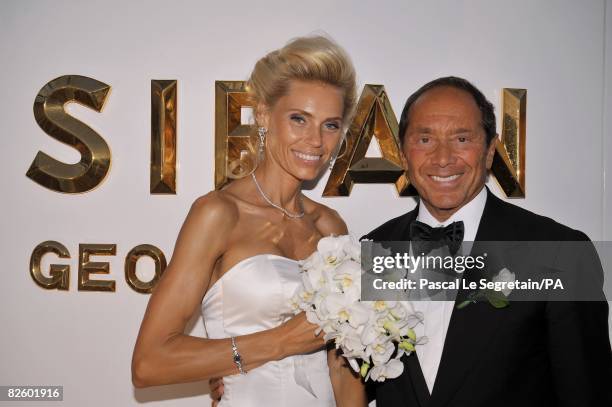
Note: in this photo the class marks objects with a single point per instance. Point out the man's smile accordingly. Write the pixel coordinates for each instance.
(445, 178)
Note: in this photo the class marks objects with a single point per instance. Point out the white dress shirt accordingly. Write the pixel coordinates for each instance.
(437, 314)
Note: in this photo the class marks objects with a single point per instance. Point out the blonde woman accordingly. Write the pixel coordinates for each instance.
(236, 254)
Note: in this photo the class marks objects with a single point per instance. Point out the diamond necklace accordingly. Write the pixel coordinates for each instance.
(265, 197)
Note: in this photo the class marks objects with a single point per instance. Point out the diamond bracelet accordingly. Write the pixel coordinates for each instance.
(236, 356)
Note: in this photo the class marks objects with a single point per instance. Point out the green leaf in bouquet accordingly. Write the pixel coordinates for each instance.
(407, 346)
(411, 334)
(364, 369)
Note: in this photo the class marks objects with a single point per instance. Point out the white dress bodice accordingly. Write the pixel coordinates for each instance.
(252, 296)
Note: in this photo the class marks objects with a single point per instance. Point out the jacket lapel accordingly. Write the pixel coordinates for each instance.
(472, 328)
(412, 367)
(415, 375)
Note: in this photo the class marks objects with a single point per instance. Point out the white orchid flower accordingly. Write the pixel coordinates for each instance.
(381, 350)
(348, 274)
(389, 370)
(313, 262)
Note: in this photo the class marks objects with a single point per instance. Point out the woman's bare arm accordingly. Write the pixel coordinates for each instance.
(163, 354)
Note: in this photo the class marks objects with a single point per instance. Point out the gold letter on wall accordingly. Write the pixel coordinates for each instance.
(163, 136)
(374, 117)
(59, 273)
(130, 267)
(235, 155)
(52, 118)
(509, 161)
(87, 267)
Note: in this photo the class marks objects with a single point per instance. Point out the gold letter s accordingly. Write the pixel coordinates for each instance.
(53, 119)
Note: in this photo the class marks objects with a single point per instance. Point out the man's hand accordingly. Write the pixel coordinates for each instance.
(216, 390)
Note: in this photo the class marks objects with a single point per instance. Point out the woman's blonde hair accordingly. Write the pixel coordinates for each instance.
(312, 58)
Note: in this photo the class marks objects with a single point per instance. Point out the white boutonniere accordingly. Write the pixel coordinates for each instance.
(496, 297)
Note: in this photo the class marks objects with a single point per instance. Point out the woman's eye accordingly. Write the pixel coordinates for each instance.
(462, 139)
(332, 126)
(424, 140)
(298, 119)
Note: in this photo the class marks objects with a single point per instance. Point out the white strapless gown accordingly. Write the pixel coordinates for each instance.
(252, 296)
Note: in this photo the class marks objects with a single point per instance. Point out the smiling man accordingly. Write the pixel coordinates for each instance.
(448, 146)
(527, 354)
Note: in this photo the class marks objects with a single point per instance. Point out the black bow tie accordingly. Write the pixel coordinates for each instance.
(425, 238)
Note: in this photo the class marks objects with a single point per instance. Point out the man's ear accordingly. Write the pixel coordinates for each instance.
(262, 115)
(491, 151)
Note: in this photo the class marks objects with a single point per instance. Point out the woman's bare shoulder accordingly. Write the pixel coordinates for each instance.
(327, 220)
(215, 209)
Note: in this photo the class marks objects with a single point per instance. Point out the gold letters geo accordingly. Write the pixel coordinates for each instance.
(59, 274)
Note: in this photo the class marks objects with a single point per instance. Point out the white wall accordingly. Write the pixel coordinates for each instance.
(607, 136)
(84, 340)
(607, 124)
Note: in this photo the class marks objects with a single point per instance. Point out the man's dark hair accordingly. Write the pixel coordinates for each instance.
(486, 108)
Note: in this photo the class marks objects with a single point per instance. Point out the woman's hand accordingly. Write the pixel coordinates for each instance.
(349, 389)
(297, 336)
(216, 390)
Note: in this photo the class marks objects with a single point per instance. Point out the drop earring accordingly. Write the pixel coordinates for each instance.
(261, 132)
(332, 161)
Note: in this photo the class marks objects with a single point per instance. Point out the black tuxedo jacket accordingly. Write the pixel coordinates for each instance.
(528, 354)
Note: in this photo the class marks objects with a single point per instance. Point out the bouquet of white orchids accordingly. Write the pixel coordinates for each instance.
(372, 335)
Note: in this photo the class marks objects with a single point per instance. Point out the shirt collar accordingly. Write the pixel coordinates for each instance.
(469, 213)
